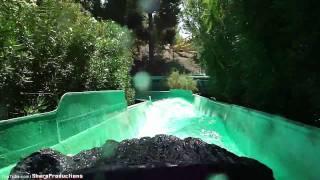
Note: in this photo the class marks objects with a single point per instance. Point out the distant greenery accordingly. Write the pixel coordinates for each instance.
(53, 47)
(182, 44)
(181, 81)
(262, 54)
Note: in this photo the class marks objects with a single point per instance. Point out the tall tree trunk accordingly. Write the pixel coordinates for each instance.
(151, 37)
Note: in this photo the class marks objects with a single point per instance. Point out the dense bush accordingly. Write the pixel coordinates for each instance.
(262, 54)
(181, 81)
(54, 47)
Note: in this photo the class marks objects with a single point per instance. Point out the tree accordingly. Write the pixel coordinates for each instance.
(132, 14)
(166, 21)
(115, 10)
(261, 54)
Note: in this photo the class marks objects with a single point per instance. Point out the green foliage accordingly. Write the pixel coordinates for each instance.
(192, 15)
(181, 81)
(38, 105)
(182, 44)
(54, 48)
(262, 54)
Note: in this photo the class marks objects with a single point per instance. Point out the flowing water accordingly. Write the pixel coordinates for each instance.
(180, 118)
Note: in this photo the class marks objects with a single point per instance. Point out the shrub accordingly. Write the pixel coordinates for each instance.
(54, 47)
(181, 81)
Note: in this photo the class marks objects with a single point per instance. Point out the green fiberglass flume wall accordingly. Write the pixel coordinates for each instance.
(86, 120)
(290, 149)
(82, 121)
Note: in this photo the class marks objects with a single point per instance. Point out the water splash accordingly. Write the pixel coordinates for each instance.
(178, 117)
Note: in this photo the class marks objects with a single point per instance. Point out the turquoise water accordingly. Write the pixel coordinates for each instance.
(180, 118)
